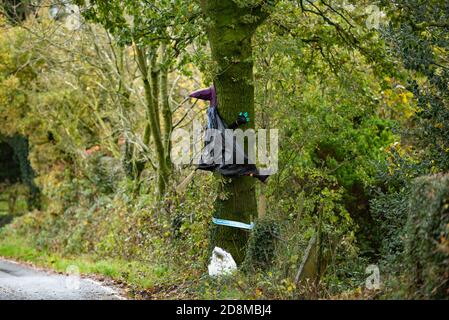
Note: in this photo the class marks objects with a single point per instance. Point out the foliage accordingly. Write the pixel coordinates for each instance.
(262, 245)
(426, 250)
(363, 122)
(418, 35)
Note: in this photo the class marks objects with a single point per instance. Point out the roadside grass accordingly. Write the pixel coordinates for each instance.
(138, 278)
(156, 281)
(141, 281)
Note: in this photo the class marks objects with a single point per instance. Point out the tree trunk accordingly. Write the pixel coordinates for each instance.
(165, 106)
(154, 82)
(154, 124)
(230, 32)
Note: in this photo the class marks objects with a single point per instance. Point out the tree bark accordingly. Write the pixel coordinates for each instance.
(165, 106)
(153, 115)
(154, 83)
(230, 32)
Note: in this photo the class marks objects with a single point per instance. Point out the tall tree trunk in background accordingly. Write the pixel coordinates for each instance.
(230, 32)
(165, 105)
(154, 83)
(149, 82)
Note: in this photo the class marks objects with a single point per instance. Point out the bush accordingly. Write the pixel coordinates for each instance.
(426, 253)
(262, 245)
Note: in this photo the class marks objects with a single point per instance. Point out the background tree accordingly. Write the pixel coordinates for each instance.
(158, 32)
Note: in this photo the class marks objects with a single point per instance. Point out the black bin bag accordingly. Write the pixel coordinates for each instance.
(222, 151)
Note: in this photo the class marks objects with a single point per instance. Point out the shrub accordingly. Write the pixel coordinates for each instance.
(262, 245)
(426, 254)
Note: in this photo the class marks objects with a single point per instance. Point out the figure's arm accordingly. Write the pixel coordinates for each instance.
(242, 118)
(203, 94)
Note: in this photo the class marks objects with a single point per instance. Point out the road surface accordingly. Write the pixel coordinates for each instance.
(19, 282)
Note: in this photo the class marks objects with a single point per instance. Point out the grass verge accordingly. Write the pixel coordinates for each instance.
(139, 280)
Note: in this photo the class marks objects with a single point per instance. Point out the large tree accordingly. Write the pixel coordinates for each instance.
(230, 27)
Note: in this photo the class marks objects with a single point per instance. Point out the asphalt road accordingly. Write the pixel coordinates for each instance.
(19, 282)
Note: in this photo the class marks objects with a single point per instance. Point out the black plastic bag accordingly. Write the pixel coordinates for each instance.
(222, 151)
